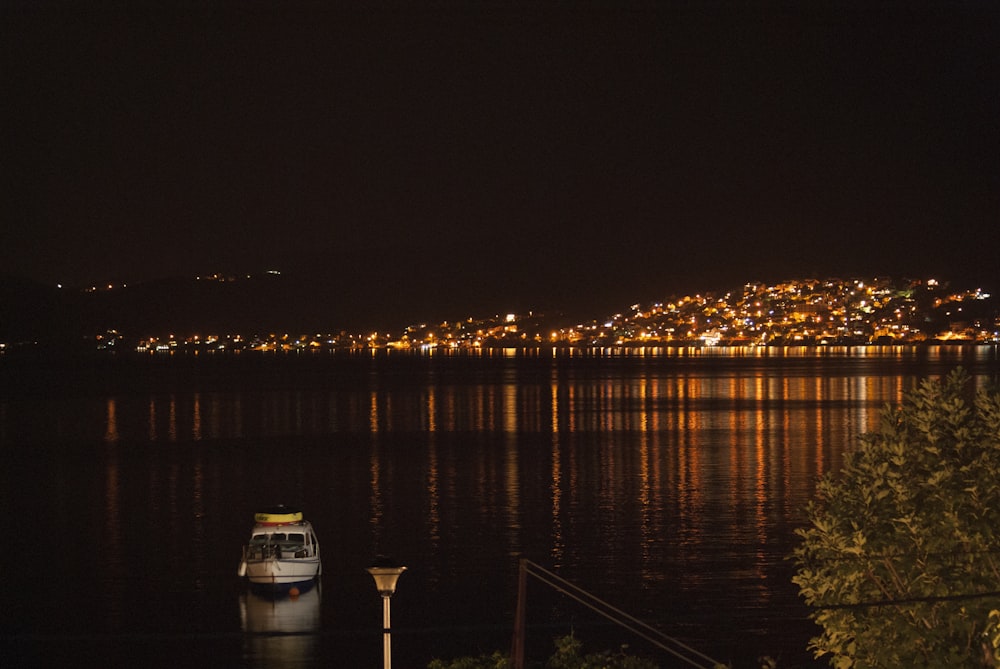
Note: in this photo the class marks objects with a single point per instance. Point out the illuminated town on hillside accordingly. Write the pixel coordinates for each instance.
(828, 312)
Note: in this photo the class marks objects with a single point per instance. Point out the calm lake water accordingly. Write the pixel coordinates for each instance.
(667, 483)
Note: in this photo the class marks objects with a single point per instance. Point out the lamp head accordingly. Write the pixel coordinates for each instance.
(385, 573)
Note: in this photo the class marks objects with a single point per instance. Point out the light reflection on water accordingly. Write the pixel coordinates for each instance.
(583, 405)
(668, 484)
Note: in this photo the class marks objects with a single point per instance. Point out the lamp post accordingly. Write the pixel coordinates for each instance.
(386, 575)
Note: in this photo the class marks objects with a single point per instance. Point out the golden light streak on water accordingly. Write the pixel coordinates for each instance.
(111, 424)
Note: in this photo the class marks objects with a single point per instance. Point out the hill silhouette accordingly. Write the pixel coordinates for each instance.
(288, 302)
(30, 311)
(269, 302)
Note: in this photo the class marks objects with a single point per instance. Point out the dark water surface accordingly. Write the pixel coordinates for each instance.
(668, 484)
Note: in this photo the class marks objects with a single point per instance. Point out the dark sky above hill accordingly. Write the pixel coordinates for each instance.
(434, 158)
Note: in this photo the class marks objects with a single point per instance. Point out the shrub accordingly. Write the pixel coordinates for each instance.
(901, 559)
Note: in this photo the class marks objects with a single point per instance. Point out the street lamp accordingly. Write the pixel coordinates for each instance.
(385, 575)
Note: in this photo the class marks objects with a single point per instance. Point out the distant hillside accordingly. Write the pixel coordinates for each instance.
(189, 306)
(285, 303)
(32, 312)
(260, 303)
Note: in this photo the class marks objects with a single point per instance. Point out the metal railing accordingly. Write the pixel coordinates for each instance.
(662, 641)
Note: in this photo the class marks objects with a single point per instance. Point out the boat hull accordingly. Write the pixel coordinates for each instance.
(277, 591)
(281, 572)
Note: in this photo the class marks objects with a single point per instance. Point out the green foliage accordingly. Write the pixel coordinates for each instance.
(905, 537)
(991, 640)
(494, 661)
(566, 656)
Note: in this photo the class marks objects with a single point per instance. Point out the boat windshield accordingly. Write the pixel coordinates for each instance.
(271, 538)
(291, 541)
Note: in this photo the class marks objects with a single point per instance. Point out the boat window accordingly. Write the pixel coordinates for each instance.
(296, 538)
(258, 539)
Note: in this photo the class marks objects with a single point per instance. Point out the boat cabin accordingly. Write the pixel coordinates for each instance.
(293, 540)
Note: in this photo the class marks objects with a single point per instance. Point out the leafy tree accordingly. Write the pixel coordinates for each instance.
(901, 559)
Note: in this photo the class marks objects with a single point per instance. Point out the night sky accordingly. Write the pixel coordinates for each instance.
(458, 158)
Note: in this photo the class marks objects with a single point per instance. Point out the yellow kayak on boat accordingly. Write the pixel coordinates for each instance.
(277, 516)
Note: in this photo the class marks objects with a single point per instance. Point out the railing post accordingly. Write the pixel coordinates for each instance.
(517, 643)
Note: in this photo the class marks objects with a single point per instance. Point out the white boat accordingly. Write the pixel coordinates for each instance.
(283, 553)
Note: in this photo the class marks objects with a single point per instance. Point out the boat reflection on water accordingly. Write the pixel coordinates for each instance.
(281, 631)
